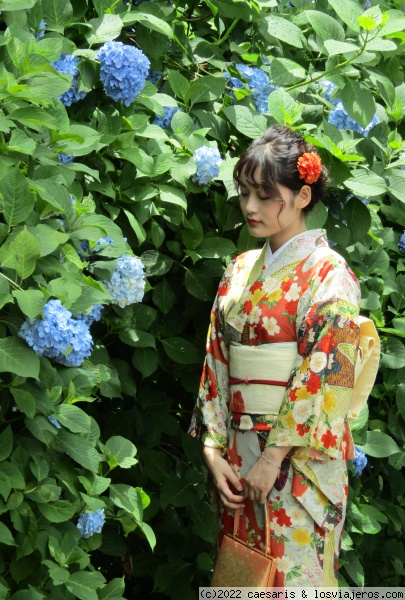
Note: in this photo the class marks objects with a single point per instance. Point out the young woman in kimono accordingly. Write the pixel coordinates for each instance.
(279, 369)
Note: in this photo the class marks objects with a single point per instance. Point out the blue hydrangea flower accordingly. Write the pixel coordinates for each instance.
(168, 112)
(259, 84)
(401, 243)
(55, 422)
(64, 159)
(67, 64)
(359, 461)
(233, 83)
(154, 76)
(127, 283)
(58, 336)
(262, 98)
(208, 161)
(342, 120)
(90, 523)
(123, 71)
(41, 30)
(367, 5)
(93, 315)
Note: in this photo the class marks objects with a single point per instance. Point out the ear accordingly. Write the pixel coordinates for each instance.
(303, 197)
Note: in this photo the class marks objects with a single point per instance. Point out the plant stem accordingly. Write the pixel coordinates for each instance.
(228, 33)
(12, 282)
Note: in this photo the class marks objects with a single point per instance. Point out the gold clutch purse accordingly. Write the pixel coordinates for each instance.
(240, 565)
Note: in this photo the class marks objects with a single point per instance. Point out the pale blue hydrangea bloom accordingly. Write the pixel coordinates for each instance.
(259, 84)
(401, 243)
(58, 335)
(233, 83)
(92, 316)
(67, 64)
(359, 461)
(262, 98)
(127, 283)
(55, 422)
(168, 112)
(90, 523)
(123, 71)
(64, 159)
(41, 30)
(342, 120)
(208, 161)
(328, 87)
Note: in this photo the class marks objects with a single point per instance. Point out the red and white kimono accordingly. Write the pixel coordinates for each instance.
(307, 295)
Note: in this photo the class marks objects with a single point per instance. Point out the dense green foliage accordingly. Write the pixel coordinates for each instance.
(132, 181)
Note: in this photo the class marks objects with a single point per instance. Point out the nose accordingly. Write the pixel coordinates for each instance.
(251, 204)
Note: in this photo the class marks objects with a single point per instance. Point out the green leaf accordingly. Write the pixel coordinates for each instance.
(273, 26)
(163, 296)
(137, 227)
(365, 184)
(20, 142)
(79, 449)
(6, 536)
(355, 570)
(316, 218)
(148, 20)
(58, 12)
(333, 47)
(199, 285)
(114, 590)
(396, 184)
(348, 11)
(146, 361)
(216, 247)
(107, 27)
(25, 402)
(74, 418)
(358, 219)
(31, 302)
(16, 357)
(326, 27)
(18, 201)
(204, 521)
(246, 120)
(284, 108)
(359, 102)
(180, 350)
(179, 84)
(48, 238)
(379, 444)
(400, 397)
(83, 584)
(16, 4)
(178, 492)
(286, 72)
(6, 443)
(172, 195)
(137, 338)
(25, 251)
(128, 498)
(394, 355)
(120, 452)
(34, 117)
(58, 511)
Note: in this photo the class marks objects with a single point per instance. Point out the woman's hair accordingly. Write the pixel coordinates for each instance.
(276, 154)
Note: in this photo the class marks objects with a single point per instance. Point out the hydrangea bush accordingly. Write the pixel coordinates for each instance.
(120, 125)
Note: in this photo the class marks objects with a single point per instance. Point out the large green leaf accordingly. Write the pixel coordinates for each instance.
(358, 219)
(246, 120)
(16, 357)
(128, 498)
(120, 452)
(359, 102)
(379, 444)
(199, 285)
(6, 443)
(145, 360)
(31, 302)
(274, 26)
(286, 72)
(58, 511)
(348, 11)
(284, 108)
(79, 449)
(83, 584)
(25, 251)
(180, 350)
(215, 247)
(74, 418)
(18, 201)
(365, 184)
(393, 355)
(107, 27)
(325, 26)
(58, 12)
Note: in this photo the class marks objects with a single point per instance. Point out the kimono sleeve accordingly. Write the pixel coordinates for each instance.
(210, 415)
(314, 409)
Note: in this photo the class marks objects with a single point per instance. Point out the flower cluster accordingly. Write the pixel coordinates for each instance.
(359, 461)
(64, 159)
(67, 64)
(41, 30)
(93, 315)
(90, 523)
(59, 335)
(168, 112)
(154, 76)
(401, 243)
(208, 161)
(123, 71)
(339, 116)
(127, 283)
(259, 84)
(309, 166)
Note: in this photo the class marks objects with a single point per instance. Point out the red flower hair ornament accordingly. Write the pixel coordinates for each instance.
(309, 167)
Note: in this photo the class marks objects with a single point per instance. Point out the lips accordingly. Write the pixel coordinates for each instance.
(253, 222)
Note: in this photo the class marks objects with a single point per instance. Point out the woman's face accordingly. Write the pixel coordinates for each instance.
(279, 218)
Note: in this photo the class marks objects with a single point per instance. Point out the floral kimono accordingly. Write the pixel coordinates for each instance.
(305, 294)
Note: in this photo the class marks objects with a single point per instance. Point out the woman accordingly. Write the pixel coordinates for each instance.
(280, 368)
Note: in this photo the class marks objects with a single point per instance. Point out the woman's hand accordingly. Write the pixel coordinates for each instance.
(262, 476)
(223, 477)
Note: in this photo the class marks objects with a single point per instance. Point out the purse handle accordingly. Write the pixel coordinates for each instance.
(267, 509)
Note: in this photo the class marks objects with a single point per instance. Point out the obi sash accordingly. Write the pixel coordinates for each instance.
(261, 373)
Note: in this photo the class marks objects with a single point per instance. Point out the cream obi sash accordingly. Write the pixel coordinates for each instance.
(260, 373)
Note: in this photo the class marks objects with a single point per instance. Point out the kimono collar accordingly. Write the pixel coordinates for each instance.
(297, 248)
